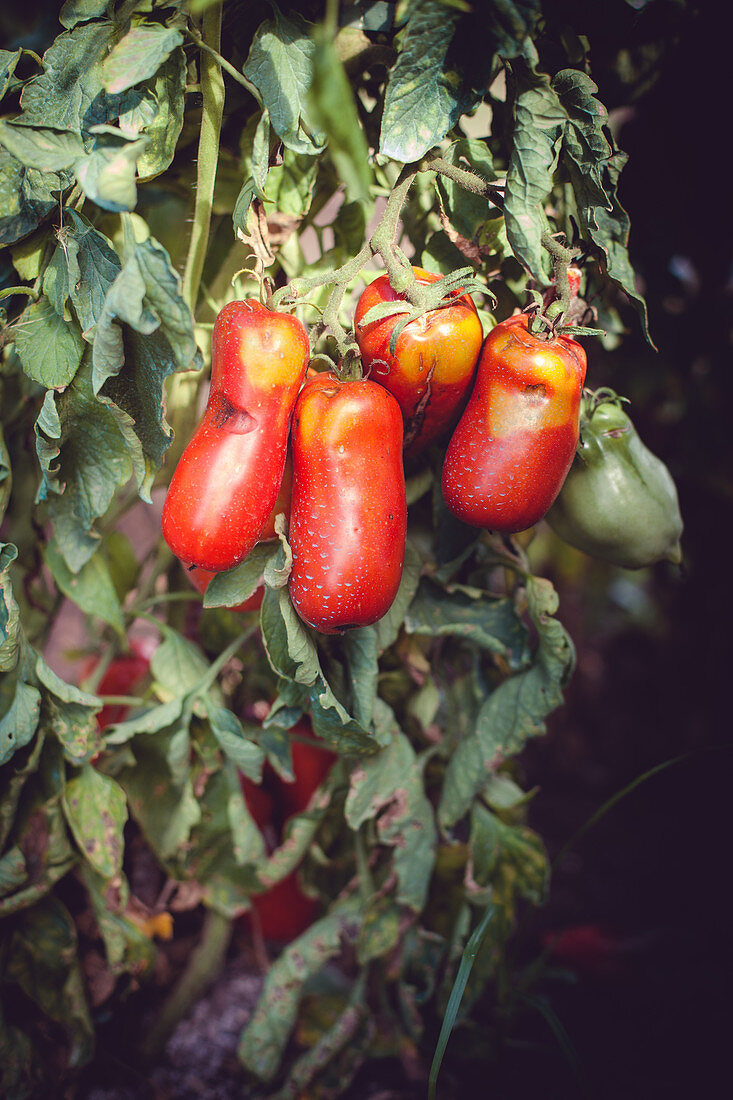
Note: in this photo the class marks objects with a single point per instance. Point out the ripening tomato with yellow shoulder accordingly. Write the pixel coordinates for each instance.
(434, 362)
(225, 486)
(348, 515)
(513, 446)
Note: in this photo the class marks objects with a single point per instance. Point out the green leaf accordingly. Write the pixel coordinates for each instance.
(513, 850)
(515, 710)
(540, 120)
(81, 11)
(20, 706)
(69, 93)
(375, 780)
(334, 724)
(138, 55)
(280, 66)
(106, 174)
(178, 665)
(331, 101)
(165, 812)
(145, 333)
(487, 621)
(96, 810)
(467, 212)
(26, 197)
(91, 588)
(168, 716)
(388, 627)
(49, 349)
(84, 457)
(361, 656)
(242, 752)
(41, 147)
(261, 154)
(13, 871)
(8, 61)
(158, 114)
(594, 164)
(290, 185)
(423, 99)
(93, 266)
(290, 648)
(268, 1031)
(43, 962)
(237, 585)
(9, 616)
(510, 24)
(393, 779)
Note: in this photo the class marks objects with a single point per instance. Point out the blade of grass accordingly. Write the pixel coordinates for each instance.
(454, 1001)
(545, 1009)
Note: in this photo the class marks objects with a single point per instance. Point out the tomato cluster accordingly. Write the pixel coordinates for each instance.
(511, 404)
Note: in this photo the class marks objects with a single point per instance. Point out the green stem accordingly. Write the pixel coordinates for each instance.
(205, 965)
(225, 65)
(34, 55)
(469, 181)
(222, 659)
(212, 86)
(123, 700)
(9, 291)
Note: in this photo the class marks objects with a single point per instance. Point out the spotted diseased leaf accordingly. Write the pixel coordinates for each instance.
(515, 710)
(280, 66)
(510, 858)
(268, 1031)
(422, 100)
(127, 947)
(69, 714)
(40, 834)
(96, 810)
(138, 55)
(144, 333)
(50, 349)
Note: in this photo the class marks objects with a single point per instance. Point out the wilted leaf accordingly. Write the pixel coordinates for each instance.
(266, 1035)
(488, 621)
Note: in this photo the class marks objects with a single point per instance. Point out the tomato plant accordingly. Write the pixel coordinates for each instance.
(434, 360)
(515, 442)
(183, 189)
(226, 483)
(348, 512)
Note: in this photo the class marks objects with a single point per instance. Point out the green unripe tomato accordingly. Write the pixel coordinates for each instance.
(619, 502)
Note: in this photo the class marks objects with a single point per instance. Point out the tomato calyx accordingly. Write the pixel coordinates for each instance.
(421, 298)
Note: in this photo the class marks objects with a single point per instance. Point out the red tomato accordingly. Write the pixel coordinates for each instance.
(200, 578)
(516, 440)
(348, 517)
(283, 910)
(311, 765)
(434, 362)
(226, 483)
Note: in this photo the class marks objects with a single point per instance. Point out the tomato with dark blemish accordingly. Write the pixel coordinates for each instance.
(348, 515)
(434, 361)
(226, 483)
(513, 446)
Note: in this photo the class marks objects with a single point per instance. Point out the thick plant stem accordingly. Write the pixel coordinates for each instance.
(212, 87)
(204, 966)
